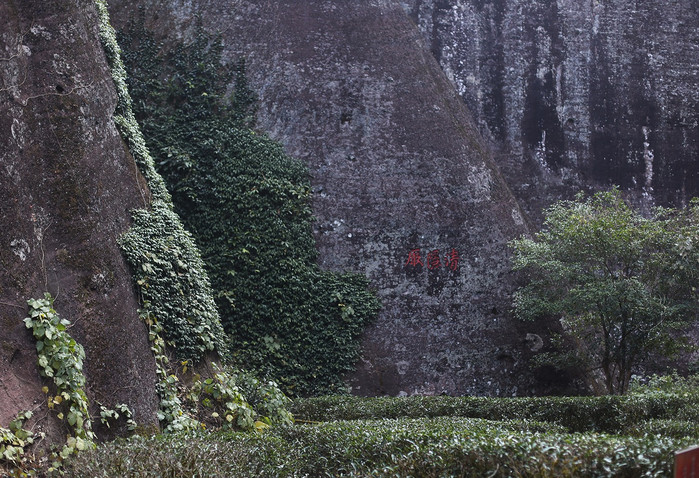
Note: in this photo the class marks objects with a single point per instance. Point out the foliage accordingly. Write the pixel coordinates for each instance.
(222, 389)
(247, 204)
(196, 82)
(672, 396)
(473, 448)
(111, 415)
(195, 454)
(173, 256)
(177, 301)
(396, 448)
(171, 414)
(266, 399)
(174, 288)
(123, 113)
(13, 441)
(165, 262)
(622, 284)
(238, 401)
(665, 427)
(431, 437)
(182, 406)
(610, 414)
(60, 358)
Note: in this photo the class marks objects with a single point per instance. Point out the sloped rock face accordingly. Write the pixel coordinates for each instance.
(405, 190)
(577, 94)
(67, 185)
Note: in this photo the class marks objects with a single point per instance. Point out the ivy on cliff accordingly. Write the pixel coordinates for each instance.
(177, 299)
(247, 204)
(60, 358)
(167, 268)
(165, 262)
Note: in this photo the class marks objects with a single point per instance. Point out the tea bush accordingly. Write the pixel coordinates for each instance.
(610, 414)
(666, 428)
(429, 438)
(441, 447)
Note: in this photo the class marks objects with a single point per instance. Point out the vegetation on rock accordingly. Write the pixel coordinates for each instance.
(247, 204)
(177, 300)
(14, 440)
(170, 274)
(60, 359)
(163, 257)
(622, 283)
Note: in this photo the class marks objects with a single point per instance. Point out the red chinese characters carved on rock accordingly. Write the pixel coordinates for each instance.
(451, 260)
(433, 260)
(414, 258)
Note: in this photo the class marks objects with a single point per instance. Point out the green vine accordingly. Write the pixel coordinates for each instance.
(13, 442)
(171, 414)
(266, 398)
(164, 260)
(110, 415)
(177, 301)
(174, 288)
(238, 400)
(247, 204)
(60, 358)
(123, 114)
(222, 390)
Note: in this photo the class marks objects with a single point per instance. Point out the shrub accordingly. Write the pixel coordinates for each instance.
(666, 428)
(396, 448)
(611, 414)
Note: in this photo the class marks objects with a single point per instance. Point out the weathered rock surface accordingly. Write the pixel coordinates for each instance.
(407, 190)
(577, 94)
(67, 185)
(397, 165)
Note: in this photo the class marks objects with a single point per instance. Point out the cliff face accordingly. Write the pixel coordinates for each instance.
(405, 190)
(577, 94)
(408, 187)
(67, 185)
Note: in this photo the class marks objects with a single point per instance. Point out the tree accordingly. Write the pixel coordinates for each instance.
(621, 284)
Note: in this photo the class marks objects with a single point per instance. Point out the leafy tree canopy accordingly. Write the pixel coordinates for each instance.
(622, 284)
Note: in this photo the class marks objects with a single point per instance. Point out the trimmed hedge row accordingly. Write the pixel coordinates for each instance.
(611, 414)
(666, 428)
(438, 447)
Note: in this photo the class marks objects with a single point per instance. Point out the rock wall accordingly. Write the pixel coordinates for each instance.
(67, 185)
(405, 189)
(409, 187)
(577, 94)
